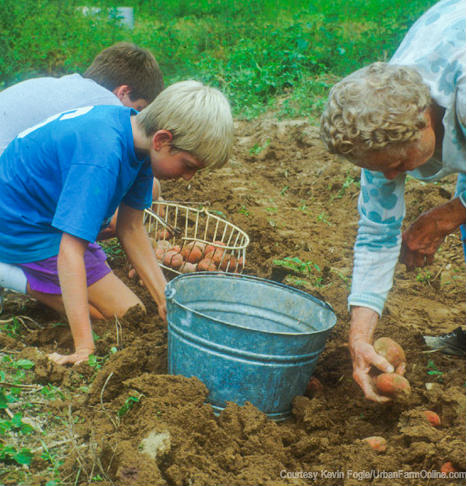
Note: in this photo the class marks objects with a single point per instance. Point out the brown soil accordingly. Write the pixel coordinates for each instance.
(294, 200)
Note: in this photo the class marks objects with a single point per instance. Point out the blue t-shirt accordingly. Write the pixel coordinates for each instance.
(68, 174)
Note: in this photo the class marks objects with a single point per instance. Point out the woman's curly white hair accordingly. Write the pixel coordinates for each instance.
(379, 105)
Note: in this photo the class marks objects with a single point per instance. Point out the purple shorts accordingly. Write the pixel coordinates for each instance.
(43, 275)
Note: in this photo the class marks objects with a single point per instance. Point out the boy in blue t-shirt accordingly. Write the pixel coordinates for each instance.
(62, 178)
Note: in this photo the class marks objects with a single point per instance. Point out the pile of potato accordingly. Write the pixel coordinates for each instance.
(196, 256)
(392, 384)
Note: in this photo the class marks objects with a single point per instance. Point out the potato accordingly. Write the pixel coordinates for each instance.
(313, 387)
(192, 253)
(173, 259)
(160, 252)
(391, 350)
(392, 384)
(432, 417)
(164, 244)
(214, 252)
(163, 234)
(447, 467)
(176, 248)
(206, 265)
(197, 244)
(376, 442)
(229, 263)
(240, 265)
(188, 267)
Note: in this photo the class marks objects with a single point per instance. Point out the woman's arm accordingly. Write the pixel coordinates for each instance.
(425, 235)
(135, 241)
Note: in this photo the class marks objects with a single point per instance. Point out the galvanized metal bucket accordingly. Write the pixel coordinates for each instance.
(245, 338)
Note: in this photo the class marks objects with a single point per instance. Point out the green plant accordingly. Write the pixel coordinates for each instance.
(128, 405)
(257, 149)
(112, 248)
(432, 370)
(323, 218)
(12, 327)
(244, 210)
(51, 392)
(348, 182)
(10, 454)
(424, 276)
(309, 269)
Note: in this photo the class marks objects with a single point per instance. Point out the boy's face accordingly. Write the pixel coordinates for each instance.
(169, 164)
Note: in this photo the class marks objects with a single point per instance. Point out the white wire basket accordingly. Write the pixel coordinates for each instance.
(189, 239)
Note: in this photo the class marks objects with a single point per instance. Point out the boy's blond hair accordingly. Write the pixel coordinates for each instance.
(198, 117)
(375, 107)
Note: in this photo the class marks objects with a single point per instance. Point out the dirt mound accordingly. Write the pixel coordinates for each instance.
(142, 426)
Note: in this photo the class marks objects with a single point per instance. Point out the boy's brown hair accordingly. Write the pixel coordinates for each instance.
(127, 64)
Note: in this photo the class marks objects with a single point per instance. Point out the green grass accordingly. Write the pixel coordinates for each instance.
(267, 54)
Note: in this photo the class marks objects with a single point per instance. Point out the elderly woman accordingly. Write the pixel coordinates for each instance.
(393, 119)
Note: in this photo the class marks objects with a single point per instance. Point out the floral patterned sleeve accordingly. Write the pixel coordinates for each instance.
(382, 210)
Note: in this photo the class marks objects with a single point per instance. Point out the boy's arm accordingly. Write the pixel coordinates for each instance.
(135, 241)
(72, 275)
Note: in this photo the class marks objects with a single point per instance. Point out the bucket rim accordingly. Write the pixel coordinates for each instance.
(171, 295)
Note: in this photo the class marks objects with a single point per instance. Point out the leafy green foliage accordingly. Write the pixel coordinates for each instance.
(128, 405)
(10, 454)
(433, 370)
(264, 54)
(308, 269)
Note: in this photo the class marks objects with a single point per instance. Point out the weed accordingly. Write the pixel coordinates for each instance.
(112, 248)
(284, 190)
(309, 269)
(10, 454)
(25, 364)
(432, 370)
(257, 149)
(345, 279)
(303, 207)
(323, 218)
(12, 327)
(424, 276)
(244, 210)
(128, 405)
(348, 182)
(51, 392)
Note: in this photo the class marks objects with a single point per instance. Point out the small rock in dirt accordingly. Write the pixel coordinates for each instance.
(156, 444)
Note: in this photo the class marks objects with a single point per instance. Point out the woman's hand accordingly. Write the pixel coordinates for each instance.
(423, 238)
(364, 357)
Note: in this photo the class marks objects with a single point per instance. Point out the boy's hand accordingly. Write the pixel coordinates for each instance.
(162, 309)
(75, 358)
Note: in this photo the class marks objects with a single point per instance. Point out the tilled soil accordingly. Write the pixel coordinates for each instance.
(294, 200)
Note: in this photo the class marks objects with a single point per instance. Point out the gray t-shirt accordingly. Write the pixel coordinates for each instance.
(25, 104)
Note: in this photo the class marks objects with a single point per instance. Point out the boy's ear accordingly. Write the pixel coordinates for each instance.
(121, 91)
(161, 138)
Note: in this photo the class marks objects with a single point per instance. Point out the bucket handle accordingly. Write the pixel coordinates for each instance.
(170, 293)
